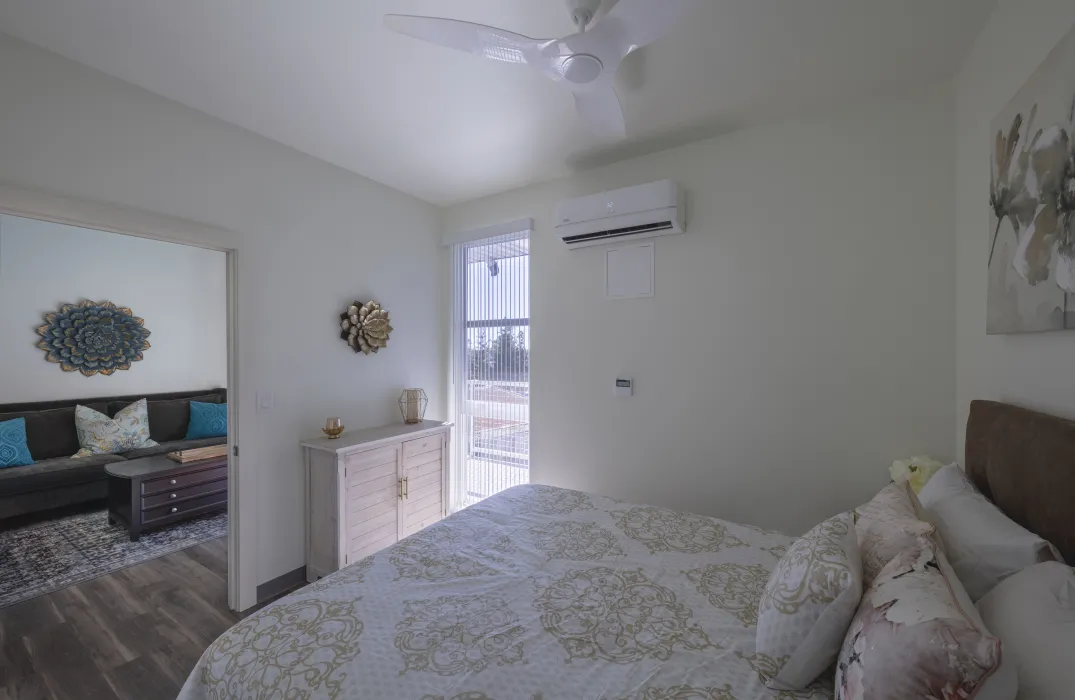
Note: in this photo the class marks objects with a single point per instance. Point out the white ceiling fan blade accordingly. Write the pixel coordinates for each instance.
(478, 39)
(600, 108)
(642, 22)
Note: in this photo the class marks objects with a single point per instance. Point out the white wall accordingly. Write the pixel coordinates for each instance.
(310, 238)
(1033, 369)
(180, 291)
(801, 336)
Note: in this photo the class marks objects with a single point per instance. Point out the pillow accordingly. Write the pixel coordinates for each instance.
(809, 601)
(14, 452)
(169, 419)
(984, 545)
(100, 435)
(207, 420)
(887, 525)
(50, 433)
(917, 635)
(1034, 613)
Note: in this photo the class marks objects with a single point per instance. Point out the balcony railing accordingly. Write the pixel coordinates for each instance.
(495, 430)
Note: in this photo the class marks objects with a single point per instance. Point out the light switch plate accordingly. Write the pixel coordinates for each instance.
(266, 401)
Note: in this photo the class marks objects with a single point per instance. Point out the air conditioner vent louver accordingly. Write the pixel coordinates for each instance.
(618, 232)
(645, 211)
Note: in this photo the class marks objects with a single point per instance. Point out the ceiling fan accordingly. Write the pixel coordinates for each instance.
(585, 62)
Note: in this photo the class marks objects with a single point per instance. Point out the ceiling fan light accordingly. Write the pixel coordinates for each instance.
(581, 68)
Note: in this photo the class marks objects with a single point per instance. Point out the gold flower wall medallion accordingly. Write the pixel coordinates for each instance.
(93, 337)
(365, 327)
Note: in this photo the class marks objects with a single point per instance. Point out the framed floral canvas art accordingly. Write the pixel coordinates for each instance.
(1032, 202)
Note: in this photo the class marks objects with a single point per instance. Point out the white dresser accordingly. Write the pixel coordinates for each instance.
(371, 488)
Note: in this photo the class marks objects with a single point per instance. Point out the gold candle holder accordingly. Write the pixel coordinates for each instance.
(333, 428)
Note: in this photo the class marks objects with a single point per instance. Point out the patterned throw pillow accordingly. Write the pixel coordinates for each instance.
(14, 452)
(917, 635)
(100, 435)
(886, 526)
(809, 601)
(207, 420)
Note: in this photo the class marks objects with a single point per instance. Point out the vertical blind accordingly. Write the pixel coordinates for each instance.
(491, 365)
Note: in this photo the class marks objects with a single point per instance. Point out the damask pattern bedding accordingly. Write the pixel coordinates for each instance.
(537, 593)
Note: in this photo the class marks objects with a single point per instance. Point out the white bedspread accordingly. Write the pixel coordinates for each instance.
(538, 593)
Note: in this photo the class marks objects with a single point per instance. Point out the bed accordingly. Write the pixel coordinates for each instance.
(541, 593)
(537, 592)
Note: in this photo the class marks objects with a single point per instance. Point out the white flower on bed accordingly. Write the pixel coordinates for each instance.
(916, 470)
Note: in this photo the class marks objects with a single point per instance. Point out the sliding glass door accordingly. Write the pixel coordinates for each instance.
(491, 373)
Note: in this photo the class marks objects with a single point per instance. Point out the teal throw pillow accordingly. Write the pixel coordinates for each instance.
(207, 420)
(14, 452)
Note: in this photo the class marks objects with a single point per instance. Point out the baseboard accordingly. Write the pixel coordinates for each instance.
(281, 584)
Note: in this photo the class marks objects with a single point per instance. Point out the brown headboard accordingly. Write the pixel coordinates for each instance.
(1025, 462)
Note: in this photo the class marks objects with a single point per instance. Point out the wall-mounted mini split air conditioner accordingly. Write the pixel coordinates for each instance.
(644, 211)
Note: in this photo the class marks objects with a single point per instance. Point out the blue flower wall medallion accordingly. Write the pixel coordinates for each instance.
(93, 337)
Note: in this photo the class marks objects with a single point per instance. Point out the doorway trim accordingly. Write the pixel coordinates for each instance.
(242, 506)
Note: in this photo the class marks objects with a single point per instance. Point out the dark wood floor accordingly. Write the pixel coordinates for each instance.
(134, 634)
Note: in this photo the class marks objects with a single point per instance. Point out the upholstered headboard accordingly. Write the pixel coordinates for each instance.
(1025, 462)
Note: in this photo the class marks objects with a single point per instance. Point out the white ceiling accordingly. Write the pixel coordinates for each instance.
(326, 77)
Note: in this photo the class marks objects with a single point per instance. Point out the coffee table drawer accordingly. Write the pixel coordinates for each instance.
(167, 511)
(171, 483)
(178, 495)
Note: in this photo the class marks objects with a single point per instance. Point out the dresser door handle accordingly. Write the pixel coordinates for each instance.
(172, 482)
(407, 487)
(171, 495)
(400, 484)
(175, 510)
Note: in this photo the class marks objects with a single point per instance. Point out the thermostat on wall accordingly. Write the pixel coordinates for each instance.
(625, 386)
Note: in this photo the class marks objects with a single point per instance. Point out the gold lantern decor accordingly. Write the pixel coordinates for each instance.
(412, 405)
(365, 327)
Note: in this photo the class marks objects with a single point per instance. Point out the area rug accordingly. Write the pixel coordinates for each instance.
(46, 556)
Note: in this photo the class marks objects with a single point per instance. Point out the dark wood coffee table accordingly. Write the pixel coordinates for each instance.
(153, 491)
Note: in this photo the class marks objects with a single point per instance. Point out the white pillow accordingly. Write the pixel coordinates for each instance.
(809, 602)
(100, 435)
(1033, 613)
(983, 544)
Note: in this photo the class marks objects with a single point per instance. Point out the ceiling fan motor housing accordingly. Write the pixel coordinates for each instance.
(583, 11)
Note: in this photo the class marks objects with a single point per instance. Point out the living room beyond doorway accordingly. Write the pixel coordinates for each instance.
(113, 403)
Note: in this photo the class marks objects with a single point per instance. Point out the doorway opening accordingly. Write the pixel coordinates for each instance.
(136, 224)
(113, 404)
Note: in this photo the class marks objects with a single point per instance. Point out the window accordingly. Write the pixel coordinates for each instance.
(491, 365)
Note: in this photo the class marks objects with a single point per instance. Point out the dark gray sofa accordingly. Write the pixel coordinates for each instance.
(56, 480)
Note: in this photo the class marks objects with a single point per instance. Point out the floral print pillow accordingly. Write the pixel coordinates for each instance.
(100, 435)
(886, 526)
(917, 635)
(808, 603)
